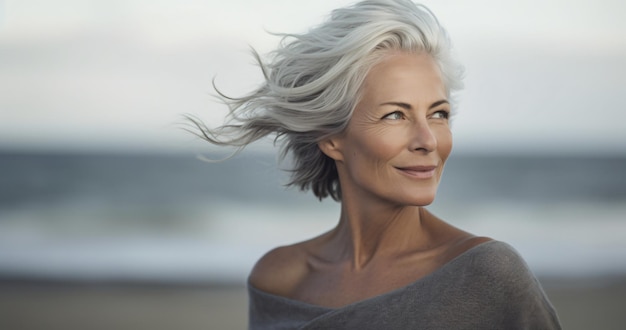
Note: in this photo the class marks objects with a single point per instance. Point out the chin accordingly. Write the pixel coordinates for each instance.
(421, 198)
(424, 202)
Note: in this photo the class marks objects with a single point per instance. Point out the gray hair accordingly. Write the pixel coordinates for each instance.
(313, 82)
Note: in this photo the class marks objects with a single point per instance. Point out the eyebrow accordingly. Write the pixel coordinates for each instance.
(408, 106)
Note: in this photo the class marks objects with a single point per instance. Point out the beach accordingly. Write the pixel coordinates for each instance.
(581, 304)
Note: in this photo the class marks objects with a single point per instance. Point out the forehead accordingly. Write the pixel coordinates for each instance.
(404, 77)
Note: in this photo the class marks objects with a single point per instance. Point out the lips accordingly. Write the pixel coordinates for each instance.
(418, 172)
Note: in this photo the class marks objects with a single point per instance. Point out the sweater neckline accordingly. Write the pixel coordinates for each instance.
(443, 268)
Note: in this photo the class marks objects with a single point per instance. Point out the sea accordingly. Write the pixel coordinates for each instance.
(173, 218)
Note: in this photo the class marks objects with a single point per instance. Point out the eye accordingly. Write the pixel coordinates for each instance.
(396, 115)
(441, 114)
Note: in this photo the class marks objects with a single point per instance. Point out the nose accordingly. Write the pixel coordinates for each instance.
(422, 137)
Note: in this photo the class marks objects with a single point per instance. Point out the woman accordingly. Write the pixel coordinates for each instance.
(362, 105)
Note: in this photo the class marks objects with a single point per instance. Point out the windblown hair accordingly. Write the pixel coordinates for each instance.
(313, 82)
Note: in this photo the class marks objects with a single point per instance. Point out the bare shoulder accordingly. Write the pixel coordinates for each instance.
(280, 269)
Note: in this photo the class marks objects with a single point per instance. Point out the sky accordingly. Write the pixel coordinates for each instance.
(541, 76)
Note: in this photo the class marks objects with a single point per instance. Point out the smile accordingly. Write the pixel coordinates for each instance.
(418, 172)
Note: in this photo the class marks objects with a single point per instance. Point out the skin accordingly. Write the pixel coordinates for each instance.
(389, 159)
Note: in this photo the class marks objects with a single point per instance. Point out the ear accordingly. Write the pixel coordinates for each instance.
(331, 147)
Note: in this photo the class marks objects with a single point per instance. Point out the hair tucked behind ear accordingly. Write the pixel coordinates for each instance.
(312, 84)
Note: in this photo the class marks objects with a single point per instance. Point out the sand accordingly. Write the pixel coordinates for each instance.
(581, 304)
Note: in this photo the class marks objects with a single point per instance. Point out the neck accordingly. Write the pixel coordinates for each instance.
(368, 230)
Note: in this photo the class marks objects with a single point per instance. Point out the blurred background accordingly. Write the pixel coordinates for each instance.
(109, 220)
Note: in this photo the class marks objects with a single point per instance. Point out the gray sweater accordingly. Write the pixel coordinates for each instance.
(487, 287)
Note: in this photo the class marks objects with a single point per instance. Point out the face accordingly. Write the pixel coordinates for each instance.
(398, 139)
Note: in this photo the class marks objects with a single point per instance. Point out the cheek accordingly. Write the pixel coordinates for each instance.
(379, 148)
(370, 151)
